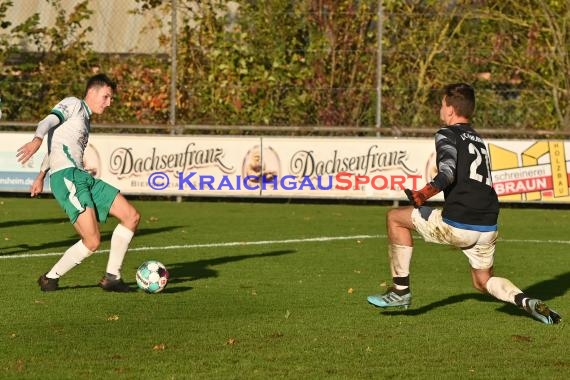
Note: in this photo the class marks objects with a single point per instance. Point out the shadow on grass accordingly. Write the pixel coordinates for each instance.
(181, 273)
(21, 223)
(64, 244)
(72, 287)
(434, 305)
(544, 290)
(196, 270)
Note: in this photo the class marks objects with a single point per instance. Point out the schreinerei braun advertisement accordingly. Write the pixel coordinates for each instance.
(293, 167)
(530, 171)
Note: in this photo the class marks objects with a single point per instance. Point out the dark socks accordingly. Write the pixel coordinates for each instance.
(520, 300)
(401, 292)
(401, 282)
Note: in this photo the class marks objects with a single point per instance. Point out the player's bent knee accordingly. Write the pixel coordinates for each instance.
(391, 215)
(131, 219)
(401, 216)
(135, 217)
(92, 243)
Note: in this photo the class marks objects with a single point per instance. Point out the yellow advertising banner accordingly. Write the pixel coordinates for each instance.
(530, 171)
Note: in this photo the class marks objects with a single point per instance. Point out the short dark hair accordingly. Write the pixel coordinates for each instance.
(461, 97)
(100, 80)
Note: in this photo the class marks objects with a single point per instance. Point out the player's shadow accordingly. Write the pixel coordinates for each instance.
(195, 270)
(19, 223)
(545, 290)
(20, 248)
(442, 303)
(190, 271)
(64, 244)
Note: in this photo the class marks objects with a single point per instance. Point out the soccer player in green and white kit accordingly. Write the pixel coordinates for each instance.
(468, 220)
(86, 200)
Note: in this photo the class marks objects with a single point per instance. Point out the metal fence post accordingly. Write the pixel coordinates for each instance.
(173, 73)
(379, 70)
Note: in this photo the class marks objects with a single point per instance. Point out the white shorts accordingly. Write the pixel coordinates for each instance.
(479, 247)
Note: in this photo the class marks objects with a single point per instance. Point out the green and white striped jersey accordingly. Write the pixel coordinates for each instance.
(67, 139)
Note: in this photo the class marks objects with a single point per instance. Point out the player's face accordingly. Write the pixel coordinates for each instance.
(99, 98)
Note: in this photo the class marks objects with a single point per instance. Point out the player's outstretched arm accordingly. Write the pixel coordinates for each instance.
(26, 151)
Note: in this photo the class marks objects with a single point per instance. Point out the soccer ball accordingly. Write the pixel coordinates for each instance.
(152, 276)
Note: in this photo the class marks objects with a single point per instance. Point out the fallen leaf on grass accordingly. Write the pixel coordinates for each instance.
(231, 342)
(113, 317)
(159, 347)
(350, 290)
(521, 338)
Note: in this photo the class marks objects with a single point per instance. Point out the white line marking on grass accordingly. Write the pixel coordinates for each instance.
(212, 245)
(535, 241)
(262, 242)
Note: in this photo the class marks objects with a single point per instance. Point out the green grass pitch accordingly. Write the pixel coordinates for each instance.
(276, 291)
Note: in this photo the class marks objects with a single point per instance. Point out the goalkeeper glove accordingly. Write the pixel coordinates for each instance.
(418, 198)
